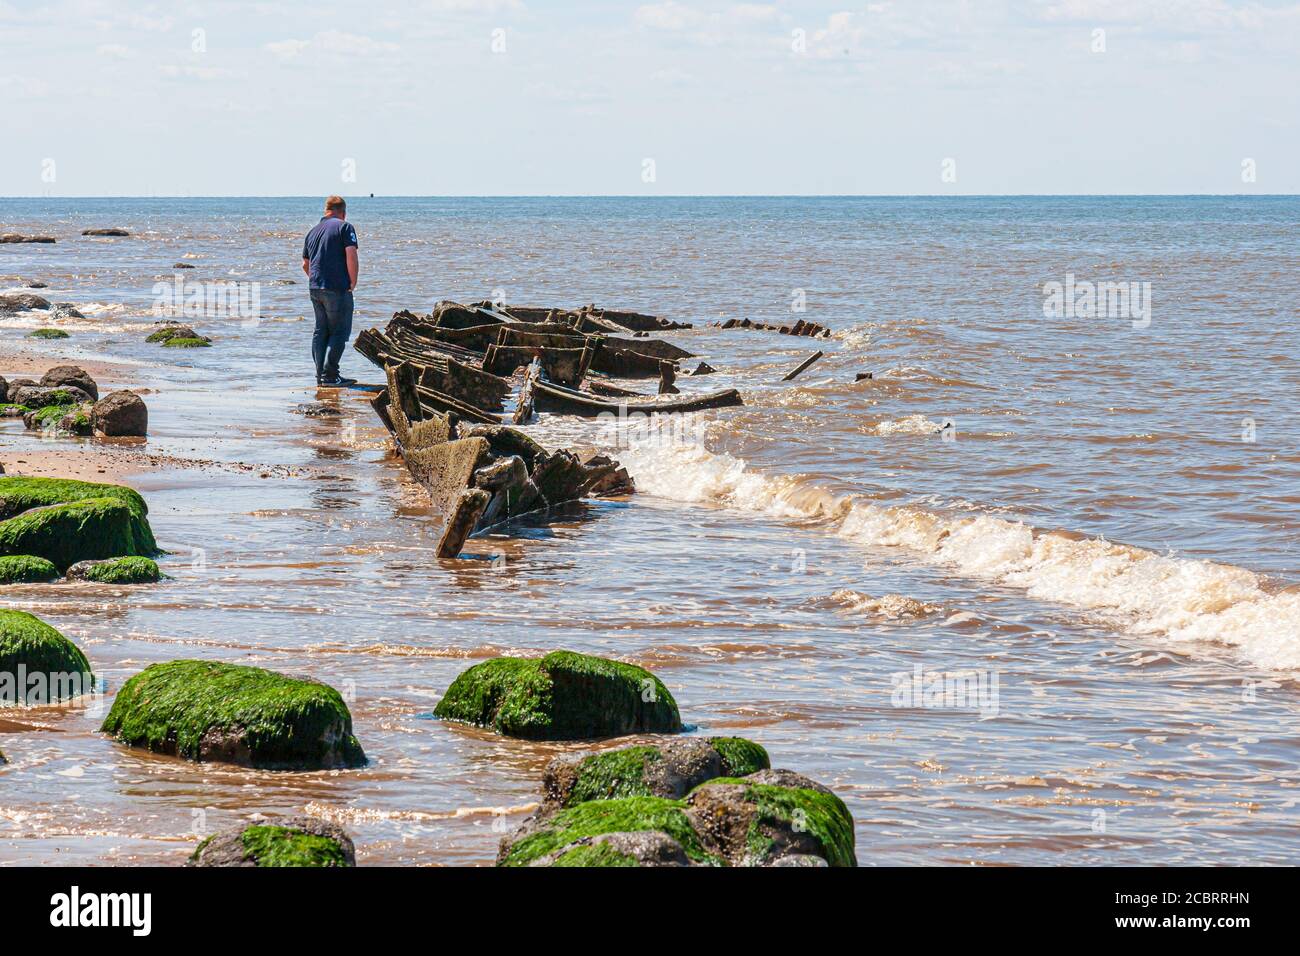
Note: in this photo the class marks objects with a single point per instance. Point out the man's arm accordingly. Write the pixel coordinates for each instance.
(353, 266)
(306, 267)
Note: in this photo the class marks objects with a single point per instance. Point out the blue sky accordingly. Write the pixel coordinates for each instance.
(522, 97)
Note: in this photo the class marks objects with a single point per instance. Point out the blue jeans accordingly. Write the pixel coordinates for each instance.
(333, 329)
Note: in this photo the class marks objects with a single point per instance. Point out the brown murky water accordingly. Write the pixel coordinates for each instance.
(1098, 546)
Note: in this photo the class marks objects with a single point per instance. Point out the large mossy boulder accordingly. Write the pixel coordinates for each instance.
(38, 665)
(771, 816)
(67, 521)
(116, 571)
(206, 711)
(296, 842)
(26, 569)
(669, 769)
(542, 842)
(562, 696)
(768, 818)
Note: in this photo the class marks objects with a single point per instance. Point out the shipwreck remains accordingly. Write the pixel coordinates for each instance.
(469, 360)
(811, 329)
(480, 474)
(459, 378)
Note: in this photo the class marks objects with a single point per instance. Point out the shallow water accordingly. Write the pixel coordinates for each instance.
(1098, 538)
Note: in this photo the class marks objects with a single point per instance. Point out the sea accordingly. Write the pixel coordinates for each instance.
(1014, 567)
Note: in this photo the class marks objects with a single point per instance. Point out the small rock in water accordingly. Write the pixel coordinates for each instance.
(105, 232)
(65, 310)
(182, 265)
(129, 570)
(704, 368)
(318, 410)
(122, 413)
(297, 842)
(861, 376)
(22, 302)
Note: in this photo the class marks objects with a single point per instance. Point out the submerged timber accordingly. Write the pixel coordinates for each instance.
(456, 377)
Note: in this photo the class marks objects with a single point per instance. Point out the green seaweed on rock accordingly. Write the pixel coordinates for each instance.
(203, 710)
(562, 696)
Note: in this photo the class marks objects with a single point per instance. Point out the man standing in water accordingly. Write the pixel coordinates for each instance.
(329, 258)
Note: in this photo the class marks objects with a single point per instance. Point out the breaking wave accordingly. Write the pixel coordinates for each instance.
(1186, 602)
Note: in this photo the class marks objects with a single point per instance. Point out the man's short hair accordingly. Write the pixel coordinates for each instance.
(335, 204)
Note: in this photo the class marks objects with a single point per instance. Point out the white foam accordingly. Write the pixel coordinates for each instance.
(1186, 601)
(909, 425)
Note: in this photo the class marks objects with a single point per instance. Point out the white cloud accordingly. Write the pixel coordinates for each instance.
(115, 51)
(332, 41)
(668, 15)
(287, 48)
(197, 72)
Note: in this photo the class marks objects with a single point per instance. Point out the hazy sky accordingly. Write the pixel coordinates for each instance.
(513, 97)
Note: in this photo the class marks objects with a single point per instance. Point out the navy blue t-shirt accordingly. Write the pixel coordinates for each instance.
(324, 247)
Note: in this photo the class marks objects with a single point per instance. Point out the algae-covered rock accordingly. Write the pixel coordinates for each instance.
(545, 840)
(669, 769)
(75, 422)
(38, 665)
(132, 570)
(171, 330)
(39, 396)
(740, 757)
(47, 334)
(646, 848)
(297, 841)
(760, 819)
(205, 711)
(562, 696)
(66, 521)
(67, 419)
(187, 342)
(769, 818)
(19, 493)
(26, 569)
(77, 531)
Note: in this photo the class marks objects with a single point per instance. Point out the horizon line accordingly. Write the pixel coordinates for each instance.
(360, 196)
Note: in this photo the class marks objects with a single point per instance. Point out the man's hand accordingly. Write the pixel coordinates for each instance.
(354, 266)
(306, 268)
